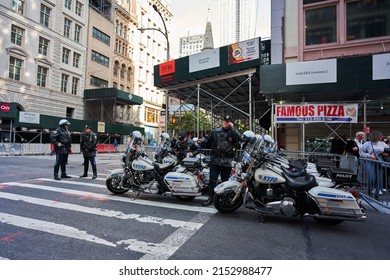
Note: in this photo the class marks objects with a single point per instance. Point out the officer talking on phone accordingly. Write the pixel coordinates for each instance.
(222, 142)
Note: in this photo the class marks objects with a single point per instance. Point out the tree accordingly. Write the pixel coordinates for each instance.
(188, 122)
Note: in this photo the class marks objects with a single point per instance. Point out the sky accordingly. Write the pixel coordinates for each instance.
(191, 13)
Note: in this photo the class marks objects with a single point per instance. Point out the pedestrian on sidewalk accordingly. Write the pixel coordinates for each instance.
(62, 141)
(88, 148)
(115, 143)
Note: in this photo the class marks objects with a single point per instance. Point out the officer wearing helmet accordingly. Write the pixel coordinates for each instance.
(88, 148)
(62, 142)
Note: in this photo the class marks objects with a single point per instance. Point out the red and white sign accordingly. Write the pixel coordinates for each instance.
(167, 68)
(5, 107)
(336, 113)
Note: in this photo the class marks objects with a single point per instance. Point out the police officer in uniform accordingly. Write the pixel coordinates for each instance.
(62, 142)
(222, 142)
(185, 147)
(88, 148)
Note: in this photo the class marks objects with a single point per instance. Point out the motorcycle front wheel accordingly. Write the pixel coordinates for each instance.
(223, 202)
(113, 185)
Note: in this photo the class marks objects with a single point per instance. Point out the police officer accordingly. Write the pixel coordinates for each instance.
(88, 148)
(185, 147)
(222, 142)
(62, 142)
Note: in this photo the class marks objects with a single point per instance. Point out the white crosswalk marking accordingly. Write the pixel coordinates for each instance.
(116, 198)
(52, 228)
(95, 190)
(100, 211)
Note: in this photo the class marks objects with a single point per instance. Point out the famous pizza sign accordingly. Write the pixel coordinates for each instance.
(336, 113)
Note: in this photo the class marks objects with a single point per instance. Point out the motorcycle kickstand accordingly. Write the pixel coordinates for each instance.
(135, 197)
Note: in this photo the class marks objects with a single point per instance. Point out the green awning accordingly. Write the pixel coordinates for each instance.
(113, 93)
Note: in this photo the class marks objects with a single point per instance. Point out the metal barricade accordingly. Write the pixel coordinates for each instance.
(375, 179)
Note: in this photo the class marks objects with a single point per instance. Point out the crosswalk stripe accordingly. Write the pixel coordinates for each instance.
(78, 183)
(72, 183)
(100, 211)
(53, 228)
(165, 249)
(115, 198)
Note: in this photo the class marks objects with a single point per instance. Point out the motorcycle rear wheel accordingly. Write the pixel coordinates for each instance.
(329, 222)
(113, 186)
(223, 202)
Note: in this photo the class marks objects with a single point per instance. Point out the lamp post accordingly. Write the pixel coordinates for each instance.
(165, 34)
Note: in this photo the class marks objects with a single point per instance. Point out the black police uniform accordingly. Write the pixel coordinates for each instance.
(182, 148)
(61, 135)
(222, 143)
(88, 148)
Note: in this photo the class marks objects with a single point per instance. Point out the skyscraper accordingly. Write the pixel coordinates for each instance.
(237, 20)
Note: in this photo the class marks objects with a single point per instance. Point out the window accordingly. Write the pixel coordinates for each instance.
(123, 68)
(77, 33)
(69, 112)
(96, 33)
(128, 74)
(64, 82)
(116, 68)
(368, 19)
(45, 15)
(79, 8)
(43, 46)
(18, 6)
(15, 68)
(67, 25)
(101, 59)
(42, 76)
(75, 85)
(65, 55)
(98, 82)
(321, 25)
(68, 4)
(76, 59)
(114, 85)
(151, 115)
(17, 35)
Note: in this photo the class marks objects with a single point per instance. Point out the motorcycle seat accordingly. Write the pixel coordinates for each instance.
(298, 163)
(301, 184)
(293, 174)
(161, 167)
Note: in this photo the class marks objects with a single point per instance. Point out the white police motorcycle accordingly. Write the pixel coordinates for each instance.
(141, 175)
(270, 193)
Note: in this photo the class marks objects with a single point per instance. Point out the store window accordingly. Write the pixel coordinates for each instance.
(368, 19)
(321, 25)
(151, 115)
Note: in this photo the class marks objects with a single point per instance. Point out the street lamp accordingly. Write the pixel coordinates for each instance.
(165, 34)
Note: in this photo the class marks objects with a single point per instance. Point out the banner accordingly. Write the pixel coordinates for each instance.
(244, 51)
(311, 72)
(204, 60)
(381, 66)
(307, 113)
(28, 117)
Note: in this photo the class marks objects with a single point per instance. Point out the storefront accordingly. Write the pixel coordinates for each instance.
(364, 81)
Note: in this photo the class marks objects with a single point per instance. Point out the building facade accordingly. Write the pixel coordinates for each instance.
(44, 53)
(191, 44)
(353, 33)
(237, 20)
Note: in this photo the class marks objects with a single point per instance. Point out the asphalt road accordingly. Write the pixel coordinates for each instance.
(74, 219)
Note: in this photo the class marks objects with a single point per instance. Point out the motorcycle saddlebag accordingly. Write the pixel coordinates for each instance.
(323, 165)
(191, 162)
(342, 175)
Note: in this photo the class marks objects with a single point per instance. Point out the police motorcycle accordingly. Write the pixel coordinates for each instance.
(341, 179)
(273, 194)
(141, 175)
